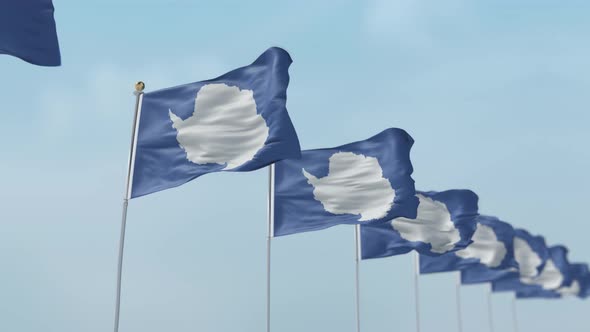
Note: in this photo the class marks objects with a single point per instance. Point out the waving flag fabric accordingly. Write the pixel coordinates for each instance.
(445, 223)
(529, 252)
(572, 285)
(581, 274)
(358, 183)
(531, 292)
(554, 274)
(491, 248)
(27, 31)
(478, 274)
(237, 122)
(575, 287)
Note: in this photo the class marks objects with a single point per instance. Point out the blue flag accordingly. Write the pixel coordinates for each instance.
(479, 274)
(554, 274)
(581, 275)
(237, 122)
(362, 182)
(445, 222)
(27, 31)
(491, 248)
(529, 253)
(575, 287)
(536, 292)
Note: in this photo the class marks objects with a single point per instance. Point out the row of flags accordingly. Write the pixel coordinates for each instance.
(513, 260)
(239, 122)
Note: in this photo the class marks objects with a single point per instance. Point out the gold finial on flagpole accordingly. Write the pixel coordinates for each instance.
(139, 86)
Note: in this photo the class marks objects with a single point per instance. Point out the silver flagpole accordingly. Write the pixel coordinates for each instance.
(139, 86)
(417, 288)
(458, 295)
(490, 309)
(514, 314)
(357, 238)
(271, 198)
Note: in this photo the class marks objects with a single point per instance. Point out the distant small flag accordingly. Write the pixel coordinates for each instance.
(555, 274)
(479, 274)
(536, 292)
(575, 287)
(581, 275)
(530, 254)
(358, 183)
(237, 122)
(27, 31)
(445, 222)
(579, 281)
(491, 248)
(555, 279)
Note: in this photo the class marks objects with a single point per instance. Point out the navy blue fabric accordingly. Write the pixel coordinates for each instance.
(160, 162)
(451, 262)
(382, 240)
(480, 274)
(577, 272)
(581, 273)
(296, 209)
(536, 292)
(558, 254)
(510, 280)
(27, 31)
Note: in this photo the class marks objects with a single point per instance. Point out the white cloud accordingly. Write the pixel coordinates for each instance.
(432, 225)
(354, 185)
(224, 127)
(485, 247)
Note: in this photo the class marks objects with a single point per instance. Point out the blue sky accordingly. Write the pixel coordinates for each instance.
(495, 95)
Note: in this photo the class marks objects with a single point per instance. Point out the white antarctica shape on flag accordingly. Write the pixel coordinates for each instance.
(236, 122)
(485, 247)
(432, 225)
(364, 182)
(354, 185)
(528, 260)
(550, 278)
(572, 290)
(225, 127)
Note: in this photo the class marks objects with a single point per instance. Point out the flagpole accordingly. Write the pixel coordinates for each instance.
(458, 295)
(357, 238)
(271, 183)
(490, 311)
(417, 288)
(514, 314)
(139, 86)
